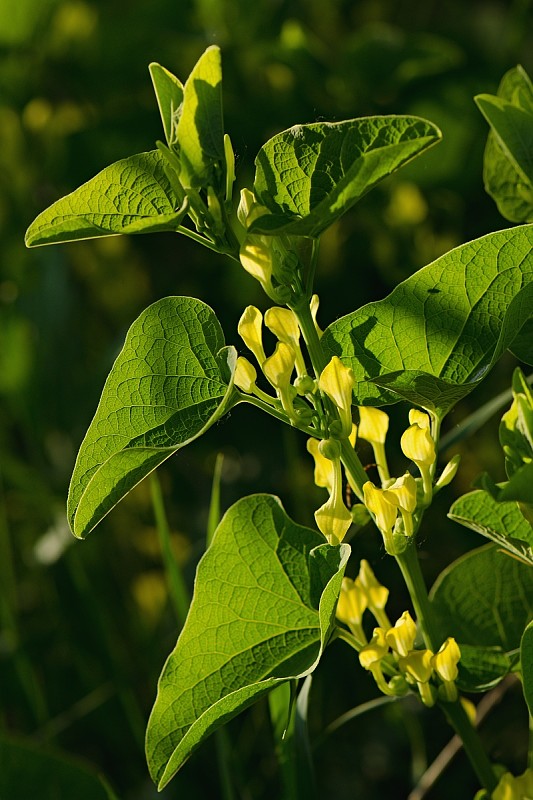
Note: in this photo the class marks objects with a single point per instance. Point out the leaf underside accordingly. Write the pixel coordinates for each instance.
(438, 334)
(170, 382)
(264, 602)
(309, 175)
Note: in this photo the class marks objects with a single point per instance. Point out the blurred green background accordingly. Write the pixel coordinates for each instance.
(85, 627)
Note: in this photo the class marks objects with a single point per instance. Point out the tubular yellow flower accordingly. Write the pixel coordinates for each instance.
(418, 445)
(512, 787)
(323, 466)
(373, 427)
(377, 595)
(402, 637)
(352, 602)
(375, 650)
(284, 325)
(337, 382)
(250, 329)
(384, 511)
(446, 660)
(333, 518)
(256, 258)
(417, 664)
(402, 493)
(373, 424)
(279, 367)
(249, 209)
(420, 418)
(245, 375)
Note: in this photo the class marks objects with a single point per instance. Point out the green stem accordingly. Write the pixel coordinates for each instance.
(256, 401)
(176, 584)
(455, 713)
(414, 580)
(459, 720)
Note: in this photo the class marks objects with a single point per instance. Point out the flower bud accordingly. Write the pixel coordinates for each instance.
(449, 472)
(329, 448)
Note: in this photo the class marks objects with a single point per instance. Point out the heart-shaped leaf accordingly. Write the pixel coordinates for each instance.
(485, 599)
(263, 606)
(309, 175)
(438, 334)
(169, 93)
(200, 131)
(502, 522)
(171, 381)
(131, 196)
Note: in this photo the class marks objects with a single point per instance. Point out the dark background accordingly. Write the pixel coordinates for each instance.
(85, 627)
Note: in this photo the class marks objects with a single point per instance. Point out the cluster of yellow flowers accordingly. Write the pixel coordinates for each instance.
(390, 655)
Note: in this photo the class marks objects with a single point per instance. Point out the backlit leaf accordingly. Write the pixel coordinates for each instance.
(131, 196)
(438, 334)
(260, 615)
(171, 381)
(484, 599)
(309, 175)
(169, 93)
(502, 522)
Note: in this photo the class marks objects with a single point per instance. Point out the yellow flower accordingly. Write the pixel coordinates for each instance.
(445, 661)
(323, 466)
(337, 382)
(313, 305)
(382, 509)
(402, 637)
(402, 494)
(284, 325)
(418, 665)
(279, 367)
(352, 602)
(376, 593)
(249, 209)
(373, 424)
(420, 418)
(449, 472)
(250, 329)
(514, 788)
(245, 375)
(333, 518)
(257, 259)
(417, 444)
(375, 650)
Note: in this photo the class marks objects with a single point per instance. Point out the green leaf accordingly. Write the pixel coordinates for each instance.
(200, 130)
(27, 772)
(169, 384)
(438, 334)
(504, 175)
(484, 599)
(518, 488)
(482, 668)
(309, 175)
(526, 660)
(258, 617)
(131, 196)
(501, 522)
(169, 93)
